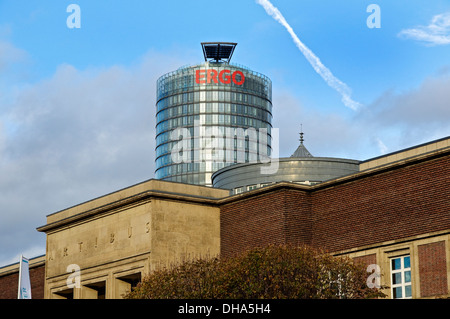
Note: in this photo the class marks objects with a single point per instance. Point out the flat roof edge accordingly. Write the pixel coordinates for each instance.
(14, 267)
(146, 195)
(406, 149)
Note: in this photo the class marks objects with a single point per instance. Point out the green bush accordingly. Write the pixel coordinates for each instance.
(269, 272)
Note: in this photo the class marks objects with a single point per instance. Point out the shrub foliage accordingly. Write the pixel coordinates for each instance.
(268, 272)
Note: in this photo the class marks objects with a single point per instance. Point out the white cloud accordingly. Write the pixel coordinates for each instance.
(392, 122)
(436, 33)
(9, 54)
(424, 107)
(409, 118)
(74, 136)
(30, 252)
(326, 134)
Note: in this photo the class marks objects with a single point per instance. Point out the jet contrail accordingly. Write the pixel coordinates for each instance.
(326, 74)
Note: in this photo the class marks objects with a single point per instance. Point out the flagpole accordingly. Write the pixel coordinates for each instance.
(24, 288)
(20, 277)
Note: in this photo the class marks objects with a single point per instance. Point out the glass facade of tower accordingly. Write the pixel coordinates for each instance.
(220, 109)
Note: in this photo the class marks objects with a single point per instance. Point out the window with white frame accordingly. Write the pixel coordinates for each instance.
(401, 277)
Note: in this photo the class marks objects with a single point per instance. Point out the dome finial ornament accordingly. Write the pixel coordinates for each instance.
(301, 134)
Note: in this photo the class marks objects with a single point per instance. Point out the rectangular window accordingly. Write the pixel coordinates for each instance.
(63, 294)
(94, 291)
(401, 277)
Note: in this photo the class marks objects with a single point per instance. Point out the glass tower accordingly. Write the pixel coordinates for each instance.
(209, 116)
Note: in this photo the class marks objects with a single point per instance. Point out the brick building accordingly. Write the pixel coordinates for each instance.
(394, 213)
(396, 207)
(9, 278)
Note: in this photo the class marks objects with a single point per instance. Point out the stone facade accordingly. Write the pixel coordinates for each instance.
(110, 243)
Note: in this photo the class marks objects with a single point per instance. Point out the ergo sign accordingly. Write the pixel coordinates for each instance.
(208, 75)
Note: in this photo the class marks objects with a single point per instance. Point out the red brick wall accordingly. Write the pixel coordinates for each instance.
(9, 284)
(298, 219)
(400, 203)
(433, 269)
(280, 217)
(394, 204)
(252, 222)
(366, 260)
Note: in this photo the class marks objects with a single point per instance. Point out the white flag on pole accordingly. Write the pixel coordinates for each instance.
(24, 291)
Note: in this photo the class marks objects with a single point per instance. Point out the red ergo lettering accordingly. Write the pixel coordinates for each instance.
(210, 75)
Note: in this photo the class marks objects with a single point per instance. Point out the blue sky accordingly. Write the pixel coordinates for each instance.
(77, 105)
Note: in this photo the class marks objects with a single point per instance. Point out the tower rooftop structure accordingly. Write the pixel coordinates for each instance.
(218, 51)
(199, 107)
